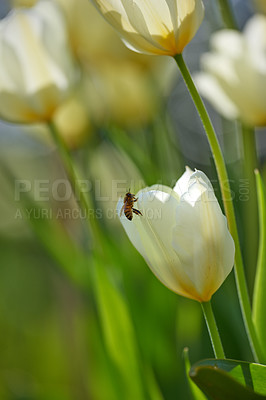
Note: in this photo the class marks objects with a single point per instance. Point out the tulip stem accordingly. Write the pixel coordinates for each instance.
(250, 209)
(73, 176)
(227, 14)
(213, 330)
(228, 207)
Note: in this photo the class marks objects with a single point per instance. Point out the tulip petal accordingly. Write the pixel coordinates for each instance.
(234, 75)
(185, 241)
(116, 15)
(229, 43)
(152, 21)
(190, 16)
(151, 234)
(34, 73)
(213, 92)
(182, 183)
(163, 27)
(206, 252)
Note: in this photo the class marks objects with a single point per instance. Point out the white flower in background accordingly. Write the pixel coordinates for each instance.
(37, 69)
(234, 73)
(183, 235)
(154, 27)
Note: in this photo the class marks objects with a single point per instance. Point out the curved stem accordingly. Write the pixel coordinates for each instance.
(258, 311)
(81, 193)
(213, 330)
(227, 14)
(69, 167)
(228, 206)
(250, 209)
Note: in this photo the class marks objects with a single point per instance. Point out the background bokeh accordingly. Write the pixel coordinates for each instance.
(130, 123)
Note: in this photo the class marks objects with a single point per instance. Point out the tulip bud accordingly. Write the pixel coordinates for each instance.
(162, 27)
(234, 73)
(182, 234)
(37, 69)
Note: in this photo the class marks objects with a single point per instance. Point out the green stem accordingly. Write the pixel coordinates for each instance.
(228, 206)
(250, 209)
(227, 14)
(69, 167)
(259, 315)
(213, 330)
(84, 198)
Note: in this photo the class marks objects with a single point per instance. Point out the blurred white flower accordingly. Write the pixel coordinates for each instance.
(154, 27)
(234, 77)
(183, 235)
(37, 69)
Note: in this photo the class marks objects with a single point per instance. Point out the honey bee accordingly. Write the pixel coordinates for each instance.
(128, 209)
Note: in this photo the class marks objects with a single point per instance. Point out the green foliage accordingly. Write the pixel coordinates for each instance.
(259, 296)
(195, 392)
(118, 333)
(230, 379)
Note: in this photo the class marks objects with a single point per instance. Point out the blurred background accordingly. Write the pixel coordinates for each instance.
(129, 123)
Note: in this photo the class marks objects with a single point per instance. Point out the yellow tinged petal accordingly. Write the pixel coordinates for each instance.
(185, 241)
(163, 27)
(38, 69)
(190, 16)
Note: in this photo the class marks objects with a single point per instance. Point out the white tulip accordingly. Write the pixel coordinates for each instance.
(182, 234)
(37, 70)
(154, 26)
(234, 73)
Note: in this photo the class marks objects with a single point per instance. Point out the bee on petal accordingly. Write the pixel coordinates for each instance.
(128, 209)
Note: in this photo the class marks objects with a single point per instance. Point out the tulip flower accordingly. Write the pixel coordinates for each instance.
(37, 69)
(161, 27)
(234, 73)
(182, 234)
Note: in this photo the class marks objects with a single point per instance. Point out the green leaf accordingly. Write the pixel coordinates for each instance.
(230, 379)
(118, 332)
(153, 388)
(259, 297)
(195, 392)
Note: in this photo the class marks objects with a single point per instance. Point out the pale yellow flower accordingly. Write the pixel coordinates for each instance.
(234, 73)
(37, 70)
(72, 121)
(111, 72)
(162, 27)
(182, 235)
(125, 93)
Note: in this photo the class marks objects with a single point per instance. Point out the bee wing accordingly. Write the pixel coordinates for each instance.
(122, 209)
(137, 211)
